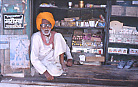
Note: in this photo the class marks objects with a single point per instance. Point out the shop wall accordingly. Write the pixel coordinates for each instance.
(15, 32)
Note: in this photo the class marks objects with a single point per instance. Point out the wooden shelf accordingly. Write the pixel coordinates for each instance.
(75, 27)
(122, 43)
(65, 8)
(123, 54)
(123, 16)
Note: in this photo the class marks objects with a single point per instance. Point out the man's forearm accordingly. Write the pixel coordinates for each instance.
(62, 62)
(62, 58)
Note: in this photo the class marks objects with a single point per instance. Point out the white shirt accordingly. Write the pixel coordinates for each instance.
(43, 57)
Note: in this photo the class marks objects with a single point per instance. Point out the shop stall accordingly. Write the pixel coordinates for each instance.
(100, 34)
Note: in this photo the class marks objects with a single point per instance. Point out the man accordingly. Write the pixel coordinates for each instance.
(48, 47)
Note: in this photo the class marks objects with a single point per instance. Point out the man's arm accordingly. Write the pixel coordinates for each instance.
(69, 57)
(62, 62)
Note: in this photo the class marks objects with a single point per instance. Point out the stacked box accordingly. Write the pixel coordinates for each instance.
(111, 38)
(131, 11)
(119, 40)
(77, 38)
(124, 11)
(93, 58)
(117, 50)
(133, 51)
(118, 10)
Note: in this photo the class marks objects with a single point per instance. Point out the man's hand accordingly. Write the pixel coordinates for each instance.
(69, 62)
(48, 76)
(64, 67)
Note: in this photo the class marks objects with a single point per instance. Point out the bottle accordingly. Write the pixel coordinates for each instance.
(101, 44)
(112, 58)
(81, 4)
(102, 18)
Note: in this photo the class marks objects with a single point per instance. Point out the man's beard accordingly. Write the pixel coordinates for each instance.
(43, 31)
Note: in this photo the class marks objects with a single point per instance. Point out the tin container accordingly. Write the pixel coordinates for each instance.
(81, 4)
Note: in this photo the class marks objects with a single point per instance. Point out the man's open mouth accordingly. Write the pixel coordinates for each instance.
(46, 31)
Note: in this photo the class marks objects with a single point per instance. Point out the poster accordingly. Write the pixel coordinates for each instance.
(5, 40)
(19, 49)
(4, 44)
(19, 53)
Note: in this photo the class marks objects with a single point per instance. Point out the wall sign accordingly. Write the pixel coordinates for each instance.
(13, 21)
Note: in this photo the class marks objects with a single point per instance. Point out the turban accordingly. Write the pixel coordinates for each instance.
(44, 15)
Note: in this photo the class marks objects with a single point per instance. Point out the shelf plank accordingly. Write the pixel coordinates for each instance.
(65, 8)
(123, 54)
(61, 27)
(123, 16)
(122, 43)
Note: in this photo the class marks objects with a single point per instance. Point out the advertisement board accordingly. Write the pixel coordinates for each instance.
(13, 21)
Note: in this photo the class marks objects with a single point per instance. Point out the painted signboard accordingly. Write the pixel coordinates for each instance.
(13, 21)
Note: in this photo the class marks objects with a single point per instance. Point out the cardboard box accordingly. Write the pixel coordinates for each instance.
(128, 40)
(119, 40)
(78, 32)
(136, 41)
(93, 63)
(87, 36)
(112, 38)
(71, 19)
(117, 50)
(110, 50)
(93, 58)
(118, 10)
(95, 39)
(133, 51)
(131, 11)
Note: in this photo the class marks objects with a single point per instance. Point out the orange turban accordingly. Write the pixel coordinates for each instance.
(44, 15)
